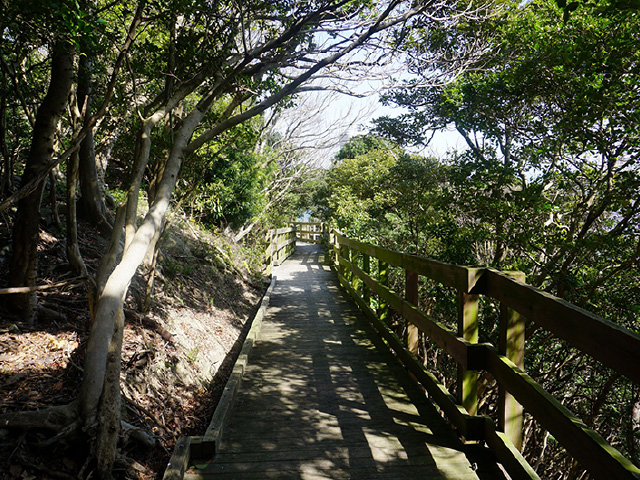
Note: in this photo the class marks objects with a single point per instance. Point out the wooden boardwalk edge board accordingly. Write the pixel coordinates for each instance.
(205, 447)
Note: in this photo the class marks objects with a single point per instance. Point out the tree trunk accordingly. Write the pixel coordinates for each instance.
(91, 203)
(100, 371)
(73, 251)
(53, 201)
(6, 183)
(24, 262)
(109, 422)
(141, 158)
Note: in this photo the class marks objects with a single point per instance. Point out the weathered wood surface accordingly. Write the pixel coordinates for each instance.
(320, 399)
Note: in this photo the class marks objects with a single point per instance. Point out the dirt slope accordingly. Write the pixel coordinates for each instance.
(175, 358)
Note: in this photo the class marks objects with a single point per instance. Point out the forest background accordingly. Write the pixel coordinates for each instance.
(130, 110)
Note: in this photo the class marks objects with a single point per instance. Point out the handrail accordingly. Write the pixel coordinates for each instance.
(312, 232)
(611, 344)
(282, 244)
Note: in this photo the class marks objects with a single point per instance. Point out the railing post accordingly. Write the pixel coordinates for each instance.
(383, 279)
(271, 251)
(344, 253)
(468, 329)
(355, 279)
(295, 239)
(411, 295)
(511, 345)
(366, 268)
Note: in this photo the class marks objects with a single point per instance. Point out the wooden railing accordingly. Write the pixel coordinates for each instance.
(282, 243)
(605, 341)
(312, 232)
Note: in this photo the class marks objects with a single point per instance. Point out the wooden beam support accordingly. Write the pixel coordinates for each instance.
(383, 279)
(411, 295)
(366, 268)
(468, 329)
(511, 345)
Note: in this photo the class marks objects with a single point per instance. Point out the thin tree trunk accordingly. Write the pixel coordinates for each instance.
(633, 426)
(143, 148)
(6, 183)
(91, 202)
(73, 251)
(53, 202)
(154, 248)
(100, 371)
(24, 262)
(109, 422)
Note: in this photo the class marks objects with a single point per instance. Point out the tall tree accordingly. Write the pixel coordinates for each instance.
(247, 56)
(24, 261)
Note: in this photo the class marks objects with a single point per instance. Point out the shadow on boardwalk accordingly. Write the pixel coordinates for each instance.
(321, 400)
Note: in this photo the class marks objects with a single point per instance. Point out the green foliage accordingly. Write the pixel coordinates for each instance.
(222, 184)
(551, 179)
(39, 22)
(378, 192)
(357, 183)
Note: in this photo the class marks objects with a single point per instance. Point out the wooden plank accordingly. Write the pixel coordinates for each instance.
(353, 259)
(507, 454)
(331, 468)
(465, 279)
(607, 342)
(601, 460)
(319, 224)
(598, 337)
(383, 280)
(179, 461)
(284, 230)
(470, 427)
(317, 374)
(411, 295)
(366, 268)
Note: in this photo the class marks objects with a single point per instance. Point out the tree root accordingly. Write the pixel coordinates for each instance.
(56, 418)
(128, 431)
(63, 420)
(64, 433)
(129, 464)
(31, 465)
(64, 423)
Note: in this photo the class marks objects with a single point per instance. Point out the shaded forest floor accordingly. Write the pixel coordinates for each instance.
(175, 358)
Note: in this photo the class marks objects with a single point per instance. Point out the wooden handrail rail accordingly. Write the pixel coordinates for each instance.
(611, 344)
(282, 244)
(313, 232)
(461, 278)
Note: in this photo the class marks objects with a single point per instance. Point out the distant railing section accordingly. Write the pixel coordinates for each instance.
(282, 244)
(312, 232)
(605, 341)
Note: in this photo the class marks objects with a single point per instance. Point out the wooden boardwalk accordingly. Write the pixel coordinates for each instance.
(321, 400)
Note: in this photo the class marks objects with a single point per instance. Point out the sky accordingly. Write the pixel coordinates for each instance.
(335, 117)
(345, 116)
